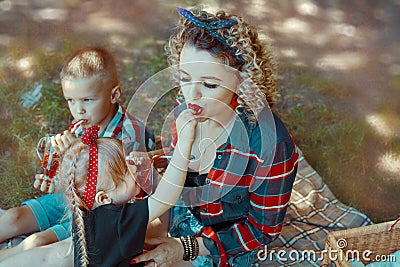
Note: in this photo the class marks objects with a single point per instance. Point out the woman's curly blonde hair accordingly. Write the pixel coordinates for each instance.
(73, 173)
(252, 58)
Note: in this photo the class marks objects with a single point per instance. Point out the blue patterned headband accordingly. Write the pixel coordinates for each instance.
(211, 27)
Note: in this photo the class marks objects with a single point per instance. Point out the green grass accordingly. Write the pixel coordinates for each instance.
(22, 128)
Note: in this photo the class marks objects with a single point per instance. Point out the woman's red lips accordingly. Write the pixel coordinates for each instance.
(197, 109)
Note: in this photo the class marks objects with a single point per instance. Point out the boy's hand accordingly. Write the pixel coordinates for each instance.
(61, 142)
(45, 185)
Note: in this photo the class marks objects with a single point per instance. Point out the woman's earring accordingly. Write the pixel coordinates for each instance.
(234, 101)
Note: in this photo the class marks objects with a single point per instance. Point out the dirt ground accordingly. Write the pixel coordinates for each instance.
(355, 43)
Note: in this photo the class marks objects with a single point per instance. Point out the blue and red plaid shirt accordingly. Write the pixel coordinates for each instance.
(125, 127)
(247, 191)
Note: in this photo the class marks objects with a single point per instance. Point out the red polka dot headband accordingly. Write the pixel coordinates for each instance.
(89, 138)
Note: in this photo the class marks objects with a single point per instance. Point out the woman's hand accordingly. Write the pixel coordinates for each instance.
(166, 251)
(186, 125)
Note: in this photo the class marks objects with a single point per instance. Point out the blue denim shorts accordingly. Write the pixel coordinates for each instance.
(51, 213)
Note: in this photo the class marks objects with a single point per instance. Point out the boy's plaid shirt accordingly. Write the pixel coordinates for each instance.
(247, 191)
(129, 130)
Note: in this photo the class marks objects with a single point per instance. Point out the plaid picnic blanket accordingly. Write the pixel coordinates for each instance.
(313, 212)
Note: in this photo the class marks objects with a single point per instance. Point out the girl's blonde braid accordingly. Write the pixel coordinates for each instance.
(80, 225)
(77, 205)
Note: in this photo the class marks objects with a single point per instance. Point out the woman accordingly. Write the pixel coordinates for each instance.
(243, 160)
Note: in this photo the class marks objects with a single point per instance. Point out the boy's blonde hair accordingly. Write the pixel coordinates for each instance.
(253, 58)
(90, 62)
(73, 174)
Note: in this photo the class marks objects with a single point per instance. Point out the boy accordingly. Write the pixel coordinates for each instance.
(90, 86)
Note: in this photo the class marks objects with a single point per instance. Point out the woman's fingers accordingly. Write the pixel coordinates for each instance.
(150, 264)
(186, 125)
(165, 264)
(167, 252)
(146, 257)
(153, 241)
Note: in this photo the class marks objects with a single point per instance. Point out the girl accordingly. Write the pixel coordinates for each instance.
(107, 229)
